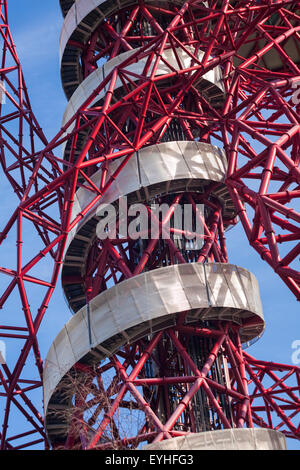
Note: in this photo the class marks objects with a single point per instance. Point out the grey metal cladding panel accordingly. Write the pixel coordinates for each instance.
(128, 180)
(149, 166)
(130, 303)
(168, 282)
(215, 161)
(163, 162)
(78, 335)
(204, 160)
(52, 374)
(123, 306)
(194, 157)
(64, 351)
(146, 297)
(236, 287)
(220, 295)
(227, 439)
(103, 321)
(192, 278)
(250, 284)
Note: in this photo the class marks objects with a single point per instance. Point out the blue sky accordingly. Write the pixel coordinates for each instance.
(36, 27)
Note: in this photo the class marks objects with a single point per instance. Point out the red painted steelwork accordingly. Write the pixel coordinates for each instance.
(162, 403)
(257, 123)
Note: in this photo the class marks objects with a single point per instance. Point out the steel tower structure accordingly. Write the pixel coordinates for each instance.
(169, 102)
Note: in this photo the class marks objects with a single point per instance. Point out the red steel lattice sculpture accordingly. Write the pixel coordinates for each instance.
(169, 102)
